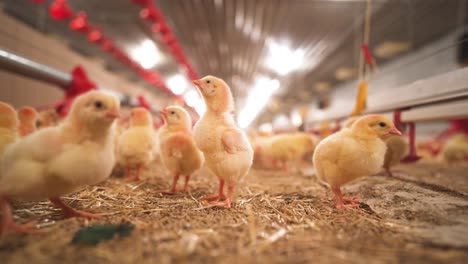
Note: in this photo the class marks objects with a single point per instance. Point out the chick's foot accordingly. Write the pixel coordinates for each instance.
(69, 212)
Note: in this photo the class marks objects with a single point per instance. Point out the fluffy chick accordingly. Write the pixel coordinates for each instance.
(56, 161)
(47, 118)
(28, 118)
(136, 144)
(397, 148)
(352, 153)
(227, 150)
(456, 149)
(8, 126)
(286, 149)
(179, 154)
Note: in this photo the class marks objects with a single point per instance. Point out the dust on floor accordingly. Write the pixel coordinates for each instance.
(420, 217)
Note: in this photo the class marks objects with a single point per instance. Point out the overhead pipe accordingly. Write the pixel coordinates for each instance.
(31, 69)
(38, 71)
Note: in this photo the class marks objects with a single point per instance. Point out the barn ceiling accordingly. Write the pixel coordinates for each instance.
(239, 40)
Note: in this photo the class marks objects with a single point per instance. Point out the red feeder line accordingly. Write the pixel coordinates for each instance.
(152, 13)
(60, 10)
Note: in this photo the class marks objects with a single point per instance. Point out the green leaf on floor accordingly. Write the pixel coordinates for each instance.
(94, 234)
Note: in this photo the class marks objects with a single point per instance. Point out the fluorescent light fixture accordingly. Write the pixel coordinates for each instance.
(390, 49)
(284, 60)
(322, 87)
(257, 99)
(193, 99)
(296, 118)
(147, 54)
(281, 122)
(345, 73)
(265, 128)
(177, 83)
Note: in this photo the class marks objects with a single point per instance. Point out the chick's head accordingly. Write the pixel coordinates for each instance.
(176, 116)
(216, 94)
(95, 108)
(375, 126)
(8, 117)
(140, 117)
(27, 114)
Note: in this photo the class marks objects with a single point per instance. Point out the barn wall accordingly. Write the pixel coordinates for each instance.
(436, 58)
(20, 39)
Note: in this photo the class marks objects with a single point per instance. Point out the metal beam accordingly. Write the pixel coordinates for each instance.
(31, 69)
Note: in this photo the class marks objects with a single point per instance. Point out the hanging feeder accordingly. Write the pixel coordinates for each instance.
(107, 45)
(148, 14)
(80, 23)
(95, 35)
(59, 10)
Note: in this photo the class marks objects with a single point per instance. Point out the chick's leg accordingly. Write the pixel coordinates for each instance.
(226, 203)
(129, 176)
(216, 197)
(339, 199)
(173, 188)
(388, 171)
(8, 224)
(137, 176)
(69, 212)
(186, 186)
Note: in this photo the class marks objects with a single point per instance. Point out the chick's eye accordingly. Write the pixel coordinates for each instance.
(172, 112)
(382, 124)
(208, 81)
(98, 104)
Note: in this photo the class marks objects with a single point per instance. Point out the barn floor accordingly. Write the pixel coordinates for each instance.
(277, 218)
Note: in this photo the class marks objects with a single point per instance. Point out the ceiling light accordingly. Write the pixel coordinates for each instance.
(265, 128)
(322, 87)
(281, 122)
(257, 99)
(177, 83)
(193, 99)
(345, 73)
(389, 49)
(296, 118)
(284, 60)
(147, 54)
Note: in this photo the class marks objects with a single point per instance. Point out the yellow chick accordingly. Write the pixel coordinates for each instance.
(352, 153)
(349, 122)
(136, 144)
(56, 161)
(179, 153)
(262, 147)
(456, 149)
(397, 148)
(28, 118)
(227, 150)
(290, 148)
(47, 118)
(8, 126)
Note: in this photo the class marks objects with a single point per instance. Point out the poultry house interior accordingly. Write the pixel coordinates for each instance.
(228, 131)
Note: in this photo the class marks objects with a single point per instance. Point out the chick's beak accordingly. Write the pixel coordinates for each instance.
(197, 83)
(113, 113)
(394, 131)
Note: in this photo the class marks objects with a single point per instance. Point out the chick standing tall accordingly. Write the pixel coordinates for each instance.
(227, 151)
(178, 151)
